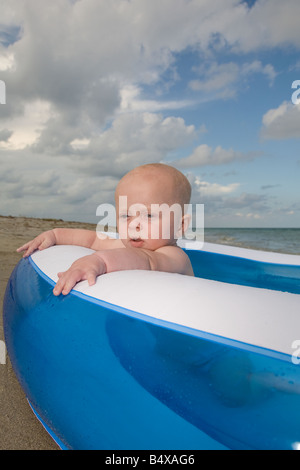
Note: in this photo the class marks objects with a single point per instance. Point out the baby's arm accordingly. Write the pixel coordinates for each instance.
(42, 241)
(65, 236)
(169, 259)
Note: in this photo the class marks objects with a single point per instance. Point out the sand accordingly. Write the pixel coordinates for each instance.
(19, 429)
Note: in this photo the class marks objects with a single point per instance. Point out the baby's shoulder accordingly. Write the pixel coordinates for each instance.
(180, 258)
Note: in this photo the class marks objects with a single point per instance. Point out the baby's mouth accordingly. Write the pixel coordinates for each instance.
(136, 242)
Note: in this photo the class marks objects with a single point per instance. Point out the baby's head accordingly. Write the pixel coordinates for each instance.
(150, 203)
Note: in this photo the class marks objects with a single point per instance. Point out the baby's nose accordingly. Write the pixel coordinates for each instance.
(136, 223)
(137, 228)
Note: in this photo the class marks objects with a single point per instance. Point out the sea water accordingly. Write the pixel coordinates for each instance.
(283, 240)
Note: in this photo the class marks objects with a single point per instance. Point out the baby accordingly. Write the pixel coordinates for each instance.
(147, 237)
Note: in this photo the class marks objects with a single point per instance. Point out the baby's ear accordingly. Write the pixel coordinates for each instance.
(185, 222)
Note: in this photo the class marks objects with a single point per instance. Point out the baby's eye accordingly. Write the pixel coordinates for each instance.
(144, 215)
(148, 216)
(124, 216)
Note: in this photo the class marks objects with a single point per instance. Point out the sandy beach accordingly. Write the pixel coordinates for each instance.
(19, 429)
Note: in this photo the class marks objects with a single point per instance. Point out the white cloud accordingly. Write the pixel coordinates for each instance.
(72, 182)
(216, 77)
(131, 140)
(5, 134)
(79, 144)
(75, 75)
(204, 155)
(131, 101)
(34, 184)
(282, 122)
(7, 59)
(68, 54)
(268, 24)
(256, 66)
(206, 189)
(209, 192)
(224, 204)
(25, 127)
(227, 204)
(223, 80)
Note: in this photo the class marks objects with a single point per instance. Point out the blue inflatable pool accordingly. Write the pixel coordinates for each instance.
(149, 360)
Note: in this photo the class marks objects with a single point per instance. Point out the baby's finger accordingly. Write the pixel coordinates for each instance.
(23, 247)
(66, 282)
(60, 284)
(29, 247)
(44, 244)
(91, 278)
(58, 288)
(69, 284)
(30, 250)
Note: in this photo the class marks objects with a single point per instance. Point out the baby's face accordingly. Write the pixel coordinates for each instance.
(147, 215)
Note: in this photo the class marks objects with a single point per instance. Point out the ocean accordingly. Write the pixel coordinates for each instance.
(283, 240)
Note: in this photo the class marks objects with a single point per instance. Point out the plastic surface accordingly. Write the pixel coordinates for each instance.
(101, 376)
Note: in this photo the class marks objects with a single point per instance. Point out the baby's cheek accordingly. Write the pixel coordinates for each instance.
(123, 229)
(167, 230)
(154, 229)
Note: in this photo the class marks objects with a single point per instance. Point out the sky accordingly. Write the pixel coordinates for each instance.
(94, 88)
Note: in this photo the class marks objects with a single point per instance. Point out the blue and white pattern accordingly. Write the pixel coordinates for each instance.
(151, 360)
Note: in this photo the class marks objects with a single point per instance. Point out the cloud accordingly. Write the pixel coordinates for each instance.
(78, 114)
(133, 139)
(72, 181)
(204, 155)
(216, 78)
(26, 126)
(5, 134)
(33, 184)
(205, 191)
(256, 202)
(275, 24)
(9, 34)
(270, 186)
(131, 101)
(7, 61)
(226, 204)
(282, 122)
(66, 54)
(224, 80)
(68, 58)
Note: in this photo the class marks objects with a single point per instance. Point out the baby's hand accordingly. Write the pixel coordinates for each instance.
(42, 241)
(85, 268)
